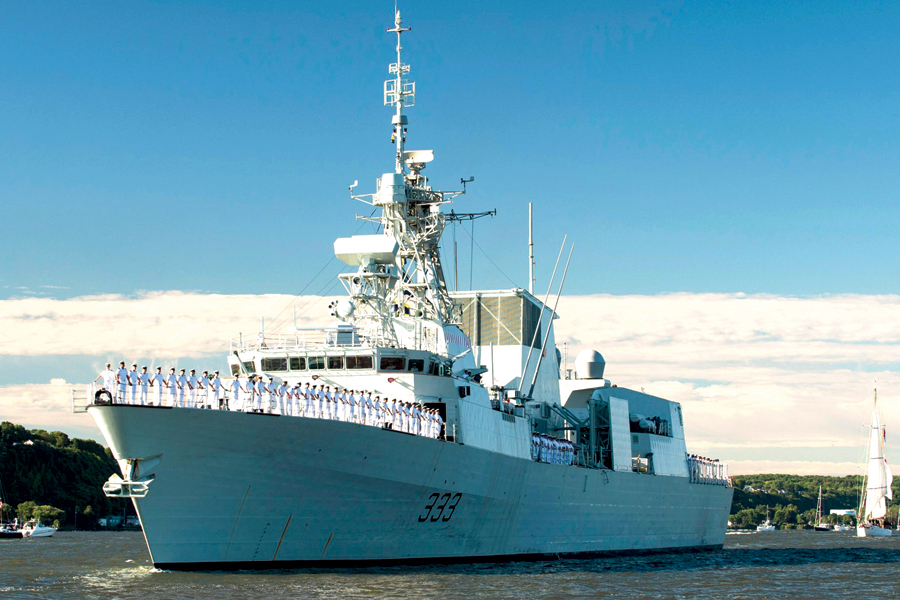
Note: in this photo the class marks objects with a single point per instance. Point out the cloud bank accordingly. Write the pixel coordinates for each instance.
(771, 383)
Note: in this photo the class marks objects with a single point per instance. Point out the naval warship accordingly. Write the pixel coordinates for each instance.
(237, 489)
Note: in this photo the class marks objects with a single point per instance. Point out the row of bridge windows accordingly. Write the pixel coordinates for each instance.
(350, 363)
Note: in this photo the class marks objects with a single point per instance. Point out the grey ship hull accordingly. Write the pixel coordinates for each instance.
(244, 491)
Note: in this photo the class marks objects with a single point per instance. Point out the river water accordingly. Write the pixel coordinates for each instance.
(779, 564)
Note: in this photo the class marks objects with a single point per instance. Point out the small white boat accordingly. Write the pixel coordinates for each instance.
(842, 527)
(767, 524)
(877, 483)
(35, 529)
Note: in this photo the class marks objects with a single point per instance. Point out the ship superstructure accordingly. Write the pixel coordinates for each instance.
(237, 488)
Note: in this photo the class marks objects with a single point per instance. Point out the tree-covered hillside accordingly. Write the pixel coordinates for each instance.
(50, 476)
(792, 499)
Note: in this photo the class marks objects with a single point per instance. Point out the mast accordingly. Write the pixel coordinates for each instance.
(877, 483)
(400, 93)
(531, 248)
(399, 294)
(819, 508)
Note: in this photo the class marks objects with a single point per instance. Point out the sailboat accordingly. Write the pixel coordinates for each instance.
(877, 483)
(767, 524)
(820, 526)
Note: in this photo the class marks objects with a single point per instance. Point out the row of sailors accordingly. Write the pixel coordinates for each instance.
(707, 470)
(548, 449)
(132, 387)
(320, 402)
(256, 395)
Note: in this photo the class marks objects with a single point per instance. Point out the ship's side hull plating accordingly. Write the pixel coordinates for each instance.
(239, 491)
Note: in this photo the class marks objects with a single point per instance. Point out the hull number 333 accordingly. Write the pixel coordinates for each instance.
(440, 507)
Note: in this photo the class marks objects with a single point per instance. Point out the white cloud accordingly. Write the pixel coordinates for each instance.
(45, 406)
(752, 371)
(154, 324)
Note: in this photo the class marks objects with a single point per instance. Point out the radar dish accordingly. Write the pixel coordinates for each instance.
(418, 157)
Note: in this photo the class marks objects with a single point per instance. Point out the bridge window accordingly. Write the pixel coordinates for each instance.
(316, 363)
(335, 362)
(298, 363)
(393, 363)
(416, 365)
(274, 364)
(249, 367)
(359, 362)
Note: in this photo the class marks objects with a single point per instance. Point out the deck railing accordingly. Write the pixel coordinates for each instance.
(205, 398)
(300, 340)
(708, 471)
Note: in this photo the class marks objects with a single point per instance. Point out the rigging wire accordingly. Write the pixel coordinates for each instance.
(488, 257)
(471, 254)
(325, 266)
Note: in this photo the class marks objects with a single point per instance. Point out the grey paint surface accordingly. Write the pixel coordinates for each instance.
(244, 488)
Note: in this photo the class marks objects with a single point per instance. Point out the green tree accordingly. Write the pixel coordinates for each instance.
(46, 513)
(25, 510)
(56, 471)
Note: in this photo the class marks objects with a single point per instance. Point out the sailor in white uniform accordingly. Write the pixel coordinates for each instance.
(300, 399)
(215, 387)
(407, 417)
(260, 393)
(392, 413)
(284, 397)
(320, 399)
(270, 388)
(133, 383)
(439, 423)
(192, 389)
(400, 415)
(338, 407)
(172, 387)
(345, 398)
(182, 387)
(203, 390)
(307, 401)
(236, 386)
(376, 404)
(351, 406)
(386, 415)
(329, 405)
(350, 409)
(246, 401)
(109, 377)
(428, 424)
(248, 392)
(143, 380)
(158, 381)
(417, 419)
(370, 407)
(121, 382)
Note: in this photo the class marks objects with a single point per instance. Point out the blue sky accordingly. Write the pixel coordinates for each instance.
(698, 147)
(693, 152)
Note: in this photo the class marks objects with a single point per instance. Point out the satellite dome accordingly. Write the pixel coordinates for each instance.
(344, 309)
(589, 364)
